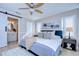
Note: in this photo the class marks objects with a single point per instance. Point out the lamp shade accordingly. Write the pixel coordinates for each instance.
(69, 29)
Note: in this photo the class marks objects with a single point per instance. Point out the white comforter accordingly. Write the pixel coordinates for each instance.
(53, 43)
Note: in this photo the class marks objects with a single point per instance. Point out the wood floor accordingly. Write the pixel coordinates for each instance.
(11, 45)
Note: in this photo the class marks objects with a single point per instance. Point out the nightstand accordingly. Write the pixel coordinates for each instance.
(67, 41)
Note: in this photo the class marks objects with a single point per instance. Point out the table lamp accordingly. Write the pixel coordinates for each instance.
(69, 29)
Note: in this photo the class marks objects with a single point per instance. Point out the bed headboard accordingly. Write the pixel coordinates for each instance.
(47, 33)
(59, 33)
(47, 30)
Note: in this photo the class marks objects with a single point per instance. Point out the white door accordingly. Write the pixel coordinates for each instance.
(3, 30)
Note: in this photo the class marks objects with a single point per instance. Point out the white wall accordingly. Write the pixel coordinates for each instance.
(38, 26)
(54, 20)
(22, 28)
(30, 27)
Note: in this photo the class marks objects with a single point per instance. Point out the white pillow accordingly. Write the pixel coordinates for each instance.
(52, 34)
(56, 37)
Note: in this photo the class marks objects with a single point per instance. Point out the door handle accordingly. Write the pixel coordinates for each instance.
(5, 28)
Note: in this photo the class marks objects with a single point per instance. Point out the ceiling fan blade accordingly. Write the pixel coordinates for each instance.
(29, 5)
(38, 5)
(39, 11)
(23, 8)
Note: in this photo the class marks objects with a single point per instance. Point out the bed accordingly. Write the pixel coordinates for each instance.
(46, 47)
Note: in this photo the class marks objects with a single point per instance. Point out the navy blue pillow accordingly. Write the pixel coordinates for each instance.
(59, 33)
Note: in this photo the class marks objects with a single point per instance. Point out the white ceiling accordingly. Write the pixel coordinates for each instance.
(48, 9)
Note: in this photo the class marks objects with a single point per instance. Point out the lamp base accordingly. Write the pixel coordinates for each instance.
(69, 36)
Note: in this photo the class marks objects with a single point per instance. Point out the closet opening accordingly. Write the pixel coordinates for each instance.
(12, 30)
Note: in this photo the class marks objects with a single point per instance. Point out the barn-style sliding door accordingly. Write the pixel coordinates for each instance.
(3, 30)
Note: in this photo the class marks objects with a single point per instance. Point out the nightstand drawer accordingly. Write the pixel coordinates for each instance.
(69, 41)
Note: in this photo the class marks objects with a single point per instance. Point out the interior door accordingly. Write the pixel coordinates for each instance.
(3, 30)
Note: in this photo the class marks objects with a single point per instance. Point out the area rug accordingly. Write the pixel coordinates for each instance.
(17, 52)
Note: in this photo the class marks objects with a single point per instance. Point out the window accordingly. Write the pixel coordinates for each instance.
(38, 27)
(29, 27)
(69, 22)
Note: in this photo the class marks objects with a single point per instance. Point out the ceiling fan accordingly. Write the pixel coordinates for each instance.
(33, 7)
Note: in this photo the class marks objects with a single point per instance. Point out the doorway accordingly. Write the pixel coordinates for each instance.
(12, 30)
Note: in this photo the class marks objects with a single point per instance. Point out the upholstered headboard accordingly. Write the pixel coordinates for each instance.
(47, 33)
(59, 33)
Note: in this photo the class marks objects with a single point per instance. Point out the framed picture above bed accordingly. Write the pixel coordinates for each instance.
(50, 26)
